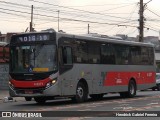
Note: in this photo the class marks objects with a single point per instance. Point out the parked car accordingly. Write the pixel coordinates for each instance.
(157, 82)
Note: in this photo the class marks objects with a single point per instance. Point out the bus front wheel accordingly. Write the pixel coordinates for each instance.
(81, 93)
(28, 98)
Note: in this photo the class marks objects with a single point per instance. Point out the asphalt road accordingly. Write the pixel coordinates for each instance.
(146, 102)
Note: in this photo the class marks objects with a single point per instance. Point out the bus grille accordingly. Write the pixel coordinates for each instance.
(29, 91)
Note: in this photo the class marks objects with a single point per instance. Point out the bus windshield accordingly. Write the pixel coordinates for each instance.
(33, 58)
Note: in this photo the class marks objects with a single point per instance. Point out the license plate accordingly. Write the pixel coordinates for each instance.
(28, 91)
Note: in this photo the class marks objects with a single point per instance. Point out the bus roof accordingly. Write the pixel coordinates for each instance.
(102, 38)
(105, 39)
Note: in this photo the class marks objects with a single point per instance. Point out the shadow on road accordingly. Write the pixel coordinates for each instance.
(67, 101)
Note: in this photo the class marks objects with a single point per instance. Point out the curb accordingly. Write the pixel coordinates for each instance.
(14, 100)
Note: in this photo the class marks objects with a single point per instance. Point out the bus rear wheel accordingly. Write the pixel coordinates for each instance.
(40, 100)
(131, 90)
(81, 93)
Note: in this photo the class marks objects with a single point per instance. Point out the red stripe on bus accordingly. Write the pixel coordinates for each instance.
(122, 78)
(30, 84)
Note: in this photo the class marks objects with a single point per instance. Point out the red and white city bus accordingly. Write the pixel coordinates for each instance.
(47, 64)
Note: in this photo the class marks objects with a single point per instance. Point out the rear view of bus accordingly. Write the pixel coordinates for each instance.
(33, 65)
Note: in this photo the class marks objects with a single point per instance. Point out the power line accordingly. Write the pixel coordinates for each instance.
(12, 14)
(153, 24)
(116, 8)
(150, 18)
(85, 21)
(62, 12)
(14, 10)
(54, 11)
(134, 30)
(67, 19)
(23, 16)
(152, 28)
(20, 5)
(79, 10)
(129, 17)
(121, 23)
(101, 5)
(153, 12)
(44, 9)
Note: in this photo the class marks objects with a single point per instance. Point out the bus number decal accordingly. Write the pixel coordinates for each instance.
(149, 74)
(33, 38)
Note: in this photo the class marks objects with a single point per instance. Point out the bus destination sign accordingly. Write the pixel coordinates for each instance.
(33, 37)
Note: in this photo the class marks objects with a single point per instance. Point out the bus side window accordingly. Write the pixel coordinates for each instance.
(67, 55)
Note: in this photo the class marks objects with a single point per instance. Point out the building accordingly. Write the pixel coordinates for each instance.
(2, 37)
(6, 37)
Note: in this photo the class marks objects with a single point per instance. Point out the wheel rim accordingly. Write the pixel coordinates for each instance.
(80, 92)
(132, 90)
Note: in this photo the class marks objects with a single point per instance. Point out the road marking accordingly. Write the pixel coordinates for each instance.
(124, 105)
(121, 102)
(73, 118)
(85, 110)
(152, 104)
(145, 108)
(123, 108)
(118, 108)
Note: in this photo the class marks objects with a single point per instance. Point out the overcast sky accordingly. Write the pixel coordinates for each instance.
(103, 16)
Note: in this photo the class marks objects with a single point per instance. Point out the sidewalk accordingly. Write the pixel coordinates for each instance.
(5, 93)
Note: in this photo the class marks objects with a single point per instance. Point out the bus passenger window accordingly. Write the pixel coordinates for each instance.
(107, 54)
(67, 55)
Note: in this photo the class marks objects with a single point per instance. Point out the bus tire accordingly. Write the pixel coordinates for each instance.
(81, 93)
(158, 87)
(28, 98)
(131, 89)
(40, 100)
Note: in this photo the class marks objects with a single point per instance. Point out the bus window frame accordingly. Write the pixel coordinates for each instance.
(66, 56)
(64, 42)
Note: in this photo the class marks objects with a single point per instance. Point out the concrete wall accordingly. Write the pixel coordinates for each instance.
(4, 70)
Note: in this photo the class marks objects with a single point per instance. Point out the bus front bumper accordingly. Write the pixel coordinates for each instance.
(39, 92)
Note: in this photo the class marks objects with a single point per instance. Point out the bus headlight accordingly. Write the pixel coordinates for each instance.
(53, 81)
(49, 84)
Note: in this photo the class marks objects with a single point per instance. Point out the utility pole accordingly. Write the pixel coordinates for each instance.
(31, 23)
(141, 21)
(88, 28)
(58, 20)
